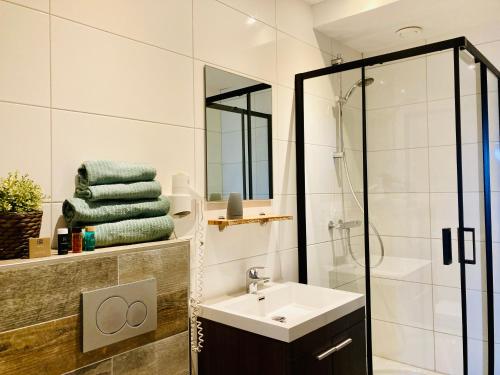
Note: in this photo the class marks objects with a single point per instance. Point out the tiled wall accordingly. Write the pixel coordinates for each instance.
(124, 80)
(40, 319)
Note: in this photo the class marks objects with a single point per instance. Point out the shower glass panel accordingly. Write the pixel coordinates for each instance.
(332, 140)
(412, 195)
(409, 161)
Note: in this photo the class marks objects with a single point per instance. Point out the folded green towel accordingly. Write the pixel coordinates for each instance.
(103, 172)
(126, 191)
(77, 211)
(134, 231)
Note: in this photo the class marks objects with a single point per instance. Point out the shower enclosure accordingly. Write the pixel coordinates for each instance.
(398, 197)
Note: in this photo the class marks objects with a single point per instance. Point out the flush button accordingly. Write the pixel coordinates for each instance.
(112, 315)
(136, 314)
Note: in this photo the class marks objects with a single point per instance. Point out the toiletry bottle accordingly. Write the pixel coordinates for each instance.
(89, 239)
(62, 241)
(76, 239)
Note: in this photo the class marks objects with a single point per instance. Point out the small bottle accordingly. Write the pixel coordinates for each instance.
(76, 239)
(62, 241)
(89, 239)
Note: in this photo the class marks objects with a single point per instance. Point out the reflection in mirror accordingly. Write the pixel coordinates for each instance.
(238, 115)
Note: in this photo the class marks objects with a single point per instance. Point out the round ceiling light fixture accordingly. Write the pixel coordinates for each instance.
(409, 32)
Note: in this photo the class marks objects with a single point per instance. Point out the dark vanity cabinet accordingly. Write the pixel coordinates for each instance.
(335, 349)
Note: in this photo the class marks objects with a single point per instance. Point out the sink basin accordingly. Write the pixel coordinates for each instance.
(283, 311)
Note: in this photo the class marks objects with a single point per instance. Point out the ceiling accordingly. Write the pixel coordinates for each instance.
(369, 26)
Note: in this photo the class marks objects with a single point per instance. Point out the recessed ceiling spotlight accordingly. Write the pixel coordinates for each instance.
(409, 32)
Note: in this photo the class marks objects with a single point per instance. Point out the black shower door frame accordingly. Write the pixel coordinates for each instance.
(457, 45)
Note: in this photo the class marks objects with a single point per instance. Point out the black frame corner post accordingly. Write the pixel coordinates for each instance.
(487, 218)
(460, 196)
(366, 223)
(301, 177)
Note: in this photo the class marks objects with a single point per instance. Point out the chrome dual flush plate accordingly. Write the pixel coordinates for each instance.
(117, 313)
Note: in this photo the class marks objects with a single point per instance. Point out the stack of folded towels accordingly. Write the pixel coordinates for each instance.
(123, 202)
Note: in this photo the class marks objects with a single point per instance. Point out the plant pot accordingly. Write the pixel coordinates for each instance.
(15, 231)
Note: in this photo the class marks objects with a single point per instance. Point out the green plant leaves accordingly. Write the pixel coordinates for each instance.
(19, 193)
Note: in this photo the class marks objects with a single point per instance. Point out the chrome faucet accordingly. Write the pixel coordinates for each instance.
(253, 279)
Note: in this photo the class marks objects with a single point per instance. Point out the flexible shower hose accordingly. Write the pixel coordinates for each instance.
(382, 250)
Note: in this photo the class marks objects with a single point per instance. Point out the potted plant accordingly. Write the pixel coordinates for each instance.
(20, 214)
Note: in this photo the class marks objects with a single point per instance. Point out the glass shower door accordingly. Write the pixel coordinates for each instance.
(474, 230)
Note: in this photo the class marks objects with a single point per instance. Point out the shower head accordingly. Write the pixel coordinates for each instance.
(358, 83)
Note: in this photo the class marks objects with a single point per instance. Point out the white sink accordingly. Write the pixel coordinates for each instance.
(304, 308)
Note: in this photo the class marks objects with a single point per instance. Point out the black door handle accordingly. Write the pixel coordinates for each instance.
(473, 231)
(447, 256)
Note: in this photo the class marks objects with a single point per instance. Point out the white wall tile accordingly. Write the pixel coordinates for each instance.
(442, 166)
(495, 215)
(289, 265)
(46, 229)
(250, 47)
(354, 160)
(397, 267)
(402, 302)
(490, 50)
(352, 127)
(443, 169)
(449, 359)
(448, 317)
(42, 5)
(440, 78)
(167, 24)
(397, 127)
(321, 174)
(97, 72)
(294, 56)
(399, 171)
(320, 209)
(320, 123)
(285, 113)
(320, 264)
(417, 248)
(295, 17)
(442, 120)
(400, 214)
(26, 143)
(352, 212)
(239, 242)
(117, 139)
(444, 213)
(397, 84)
(287, 205)
(495, 166)
(263, 10)
(24, 66)
(449, 275)
(199, 93)
(409, 345)
(229, 278)
(286, 168)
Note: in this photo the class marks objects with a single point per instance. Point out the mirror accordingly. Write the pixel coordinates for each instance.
(238, 116)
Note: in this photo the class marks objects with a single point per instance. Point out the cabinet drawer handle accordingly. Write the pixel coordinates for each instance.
(334, 349)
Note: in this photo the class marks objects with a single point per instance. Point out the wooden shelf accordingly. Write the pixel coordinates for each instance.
(261, 219)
